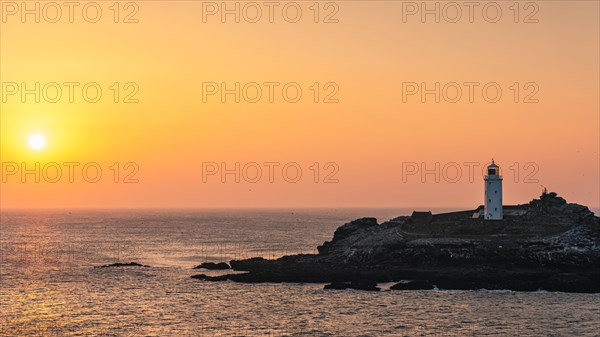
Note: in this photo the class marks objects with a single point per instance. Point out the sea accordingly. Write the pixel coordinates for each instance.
(50, 283)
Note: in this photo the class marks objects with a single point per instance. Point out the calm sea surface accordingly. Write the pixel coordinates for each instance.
(49, 286)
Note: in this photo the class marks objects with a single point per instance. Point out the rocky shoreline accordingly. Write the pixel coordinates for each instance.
(546, 244)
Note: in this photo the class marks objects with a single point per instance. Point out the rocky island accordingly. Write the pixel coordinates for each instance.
(546, 244)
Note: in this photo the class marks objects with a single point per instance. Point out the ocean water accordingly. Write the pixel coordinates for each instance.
(49, 285)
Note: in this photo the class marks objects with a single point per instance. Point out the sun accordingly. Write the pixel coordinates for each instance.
(37, 141)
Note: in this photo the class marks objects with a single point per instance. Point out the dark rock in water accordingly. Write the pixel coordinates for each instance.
(246, 265)
(571, 283)
(348, 230)
(356, 285)
(413, 285)
(545, 244)
(119, 264)
(213, 266)
(201, 277)
(218, 278)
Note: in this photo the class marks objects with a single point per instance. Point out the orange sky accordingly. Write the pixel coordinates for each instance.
(370, 134)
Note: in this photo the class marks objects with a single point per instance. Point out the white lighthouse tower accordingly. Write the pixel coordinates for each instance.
(493, 193)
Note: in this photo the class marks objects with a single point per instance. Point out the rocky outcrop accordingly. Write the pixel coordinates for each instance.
(413, 285)
(356, 285)
(213, 266)
(119, 264)
(545, 244)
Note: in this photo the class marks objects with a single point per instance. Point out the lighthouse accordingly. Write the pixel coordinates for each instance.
(493, 193)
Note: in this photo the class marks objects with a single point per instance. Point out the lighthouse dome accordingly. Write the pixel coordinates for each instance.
(493, 169)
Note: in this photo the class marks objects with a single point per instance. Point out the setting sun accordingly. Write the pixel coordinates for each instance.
(37, 141)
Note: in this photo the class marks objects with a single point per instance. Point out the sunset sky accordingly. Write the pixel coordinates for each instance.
(367, 140)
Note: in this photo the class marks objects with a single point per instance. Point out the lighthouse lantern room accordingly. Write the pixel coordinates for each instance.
(493, 193)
